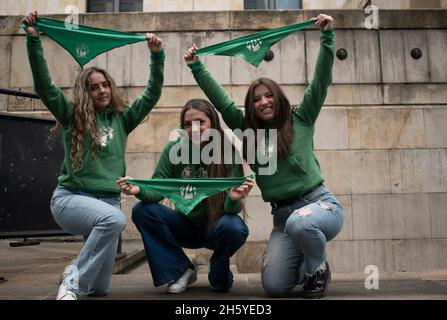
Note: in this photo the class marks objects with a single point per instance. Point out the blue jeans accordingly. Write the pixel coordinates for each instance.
(297, 244)
(165, 232)
(100, 221)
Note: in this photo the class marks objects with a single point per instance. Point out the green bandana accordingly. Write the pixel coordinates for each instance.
(253, 47)
(187, 193)
(82, 42)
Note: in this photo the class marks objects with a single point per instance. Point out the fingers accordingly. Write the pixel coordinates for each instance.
(190, 52)
(320, 19)
(189, 55)
(123, 179)
(124, 186)
(250, 181)
(153, 39)
(192, 49)
(323, 20)
(127, 189)
(244, 189)
(154, 42)
(30, 19)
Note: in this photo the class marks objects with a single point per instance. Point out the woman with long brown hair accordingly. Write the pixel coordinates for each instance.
(213, 224)
(95, 126)
(305, 213)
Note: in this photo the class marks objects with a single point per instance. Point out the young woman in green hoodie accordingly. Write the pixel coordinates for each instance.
(95, 126)
(305, 213)
(213, 224)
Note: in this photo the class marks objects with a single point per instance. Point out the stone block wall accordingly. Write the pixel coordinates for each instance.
(381, 137)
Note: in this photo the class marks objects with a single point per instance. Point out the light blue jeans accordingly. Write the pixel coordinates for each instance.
(297, 244)
(100, 221)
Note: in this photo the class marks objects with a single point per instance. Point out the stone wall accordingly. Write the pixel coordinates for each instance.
(21, 7)
(381, 137)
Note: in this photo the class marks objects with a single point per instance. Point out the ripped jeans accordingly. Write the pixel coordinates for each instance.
(297, 244)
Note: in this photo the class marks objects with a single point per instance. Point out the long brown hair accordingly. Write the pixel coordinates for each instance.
(283, 117)
(215, 202)
(84, 121)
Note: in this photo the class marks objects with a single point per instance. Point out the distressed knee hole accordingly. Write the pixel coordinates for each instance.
(325, 205)
(304, 211)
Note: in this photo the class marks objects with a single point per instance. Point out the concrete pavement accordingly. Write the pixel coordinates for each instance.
(33, 273)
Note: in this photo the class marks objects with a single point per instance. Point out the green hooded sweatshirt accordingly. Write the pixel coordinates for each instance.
(166, 169)
(298, 171)
(101, 169)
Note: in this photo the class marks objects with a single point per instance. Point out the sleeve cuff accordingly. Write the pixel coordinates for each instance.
(140, 196)
(196, 66)
(32, 39)
(328, 33)
(231, 205)
(157, 56)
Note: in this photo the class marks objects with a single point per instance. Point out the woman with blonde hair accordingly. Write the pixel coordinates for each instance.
(95, 126)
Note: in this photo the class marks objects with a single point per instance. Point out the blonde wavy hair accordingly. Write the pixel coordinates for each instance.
(84, 121)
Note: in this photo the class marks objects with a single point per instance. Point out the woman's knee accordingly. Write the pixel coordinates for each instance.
(233, 227)
(115, 220)
(273, 288)
(298, 226)
(142, 210)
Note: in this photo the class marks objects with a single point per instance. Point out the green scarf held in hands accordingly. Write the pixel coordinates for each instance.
(253, 47)
(187, 193)
(82, 42)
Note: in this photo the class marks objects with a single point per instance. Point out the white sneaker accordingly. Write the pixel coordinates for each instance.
(65, 294)
(180, 285)
(66, 272)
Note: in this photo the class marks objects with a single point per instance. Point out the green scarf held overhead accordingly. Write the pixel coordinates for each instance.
(253, 47)
(187, 193)
(82, 42)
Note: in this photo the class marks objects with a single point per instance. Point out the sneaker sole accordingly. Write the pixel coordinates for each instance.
(193, 279)
(318, 295)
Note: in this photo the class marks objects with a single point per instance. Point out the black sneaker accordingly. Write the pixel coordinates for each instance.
(316, 285)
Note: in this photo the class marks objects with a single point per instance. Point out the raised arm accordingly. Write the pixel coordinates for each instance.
(50, 94)
(144, 104)
(315, 93)
(218, 96)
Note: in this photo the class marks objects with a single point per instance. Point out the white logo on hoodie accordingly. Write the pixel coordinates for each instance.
(105, 135)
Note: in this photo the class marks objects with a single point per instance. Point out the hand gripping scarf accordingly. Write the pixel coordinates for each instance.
(187, 193)
(253, 47)
(82, 42)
